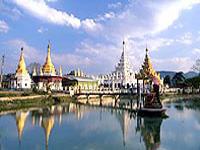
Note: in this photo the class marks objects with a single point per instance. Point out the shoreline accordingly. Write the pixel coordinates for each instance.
(175, 97)
(12, 104)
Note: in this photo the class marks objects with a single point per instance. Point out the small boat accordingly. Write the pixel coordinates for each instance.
(152, 112)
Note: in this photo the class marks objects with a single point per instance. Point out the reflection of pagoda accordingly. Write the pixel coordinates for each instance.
(20, 121)
(47, 124)
(76, 109)
(124, 121)
(150, 131)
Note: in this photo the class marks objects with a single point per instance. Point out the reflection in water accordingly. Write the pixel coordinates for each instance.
(149, 129)
(124, 120)
(46, 118)
(20, 121)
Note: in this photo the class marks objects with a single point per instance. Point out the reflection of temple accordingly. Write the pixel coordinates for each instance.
(47, 124)
(124, 120)
(149, 129)
(20, 121)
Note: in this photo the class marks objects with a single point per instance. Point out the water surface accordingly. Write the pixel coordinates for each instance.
(74, 126)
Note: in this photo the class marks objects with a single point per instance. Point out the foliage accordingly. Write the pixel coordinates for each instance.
(178, 80)
(167, 80)
(193, 82)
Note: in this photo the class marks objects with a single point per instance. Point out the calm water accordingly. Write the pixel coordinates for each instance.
(73, 126)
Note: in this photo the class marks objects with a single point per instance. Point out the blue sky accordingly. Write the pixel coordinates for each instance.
(88, 34)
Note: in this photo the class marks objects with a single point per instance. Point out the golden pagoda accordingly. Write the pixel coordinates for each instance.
(48, 67)
(21, 66)
(147, 70)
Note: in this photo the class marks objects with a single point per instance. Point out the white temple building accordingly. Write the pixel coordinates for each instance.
(122, 77)
(22, 79)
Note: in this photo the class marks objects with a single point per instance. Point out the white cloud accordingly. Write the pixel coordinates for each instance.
(175, 63)
(171, 12)
(178, 26)
(109, 15)
(143, 18)
(186, 38)
(30, 53)
(196, 51)
(52, 1)
(3, 26)
(90, 25)
(42, 30)
(114, 5)
(40, 9)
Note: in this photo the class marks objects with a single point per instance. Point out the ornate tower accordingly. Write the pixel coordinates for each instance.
(22, 79)
(22, 66)
(147, 70)
(48, 67)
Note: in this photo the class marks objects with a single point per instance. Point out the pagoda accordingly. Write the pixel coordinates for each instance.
(22, 78)
(149, 76)
(148, 72)
(123, 76)
(48, 79)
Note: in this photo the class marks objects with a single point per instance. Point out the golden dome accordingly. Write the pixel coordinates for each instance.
(48, 66)
(21, 66)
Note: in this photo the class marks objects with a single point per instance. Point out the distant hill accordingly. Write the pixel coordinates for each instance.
(165, 73)
(189, 74)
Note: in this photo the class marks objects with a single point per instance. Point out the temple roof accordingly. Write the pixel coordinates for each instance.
(123, 65)
(48, 67)
(21, 66)
(147, 70)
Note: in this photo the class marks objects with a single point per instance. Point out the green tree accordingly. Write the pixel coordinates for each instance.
(167, 80)
(178, 80)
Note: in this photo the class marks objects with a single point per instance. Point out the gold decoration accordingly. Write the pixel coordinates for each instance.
(21, 66)
(48, 66)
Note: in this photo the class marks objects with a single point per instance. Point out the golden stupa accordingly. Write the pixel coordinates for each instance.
(147, 70)
(48, 66)
(21, 66)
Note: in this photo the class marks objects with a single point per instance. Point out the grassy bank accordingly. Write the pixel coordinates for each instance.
(171, 97)
(48, 100)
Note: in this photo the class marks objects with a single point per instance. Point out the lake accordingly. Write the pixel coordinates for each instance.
(73, 127)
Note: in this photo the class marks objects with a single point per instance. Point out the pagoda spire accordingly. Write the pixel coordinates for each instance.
(147, 70)
(60, 70)
(48, 66)
(21, 66)
(124, 46)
